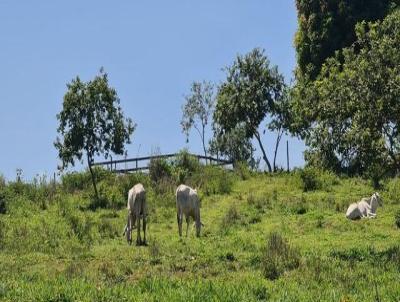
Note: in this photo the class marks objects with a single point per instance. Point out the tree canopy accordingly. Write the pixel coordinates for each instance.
(326, 26)
(355, 100)
(248, 95)
(91, 122)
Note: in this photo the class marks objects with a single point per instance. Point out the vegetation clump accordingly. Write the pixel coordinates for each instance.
(278, 257)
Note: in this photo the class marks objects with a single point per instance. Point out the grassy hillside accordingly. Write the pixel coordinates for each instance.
(264, 239)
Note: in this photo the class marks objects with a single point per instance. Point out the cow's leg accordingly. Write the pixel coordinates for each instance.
(179, 219)
(144, 229)
(187, 224)
(198, 225)
(138, 239)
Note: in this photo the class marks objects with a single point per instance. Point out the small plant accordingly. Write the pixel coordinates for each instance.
(393, 190)
(3, 207)
(231, 217)
(278, 257)
(159, 169)
(242, 169)
(2, 234)
(320, 222)
(397, 219)
(309, 178)
(155, 253)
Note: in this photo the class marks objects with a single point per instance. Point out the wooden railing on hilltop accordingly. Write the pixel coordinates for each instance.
(142, 163)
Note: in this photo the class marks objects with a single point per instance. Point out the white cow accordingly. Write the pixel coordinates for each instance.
(137, 209)
(366, 208)
(188, 204)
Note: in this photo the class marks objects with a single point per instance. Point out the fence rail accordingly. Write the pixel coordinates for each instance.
(142, 163)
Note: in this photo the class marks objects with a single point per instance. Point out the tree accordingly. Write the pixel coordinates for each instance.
(232, 144)
(248, 95)
(355, 100)
(197, 110)
(326, 26)
(91, 123)
(281, 120)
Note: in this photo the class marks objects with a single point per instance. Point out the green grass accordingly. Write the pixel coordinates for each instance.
(66, 252)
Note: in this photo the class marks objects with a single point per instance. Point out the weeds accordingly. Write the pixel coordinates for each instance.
(397, 219)
(278, 257)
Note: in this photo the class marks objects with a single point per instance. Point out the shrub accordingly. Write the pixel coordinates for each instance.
(212, 180)
(231, 217)
(187, 162)
(397, 219)
(159, 169)
(393, 190)
(76, 181)
(107, 229)
(242, 170)
(3, 207)
(155, 253)
(3, 230)
(278, 257)
(300, 207)
(309, 178)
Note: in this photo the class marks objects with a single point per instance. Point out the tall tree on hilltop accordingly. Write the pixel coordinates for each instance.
(91, 123)
(248, 95)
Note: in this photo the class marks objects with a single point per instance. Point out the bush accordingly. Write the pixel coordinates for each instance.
(393, 190)
(309, 178)
(212, 180)
(76, 181)
(3, 207)
(184, 160)
(159, 169)
(242, 170)
(231, 217)
(397, 219)
(278, 257)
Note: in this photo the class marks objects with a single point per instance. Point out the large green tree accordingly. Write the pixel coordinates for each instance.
(248, 95)
(91, 123)
(325, 26)
(356, 103)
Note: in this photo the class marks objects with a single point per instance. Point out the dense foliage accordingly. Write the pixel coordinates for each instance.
(91, 123)
(353, 105)
(248, 95)
(327, 26)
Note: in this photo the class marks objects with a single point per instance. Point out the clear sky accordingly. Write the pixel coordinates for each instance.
(152, 51)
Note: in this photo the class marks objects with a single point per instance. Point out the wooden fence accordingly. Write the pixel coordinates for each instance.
(142, 163)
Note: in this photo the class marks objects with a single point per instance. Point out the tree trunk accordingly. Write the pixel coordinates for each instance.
(257, 135)
(93, 178)
(278, 140)
(204, 145)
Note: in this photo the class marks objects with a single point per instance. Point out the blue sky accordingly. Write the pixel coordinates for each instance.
(152, 51)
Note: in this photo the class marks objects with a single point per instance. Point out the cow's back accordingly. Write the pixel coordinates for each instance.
(353, 212)
(137, 199)
(186, 198)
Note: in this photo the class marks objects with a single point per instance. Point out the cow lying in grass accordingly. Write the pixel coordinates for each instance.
(188, 204)
(366, 208)
(137, 209)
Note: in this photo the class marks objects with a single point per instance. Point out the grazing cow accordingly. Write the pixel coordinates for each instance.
(188, 204)
(366, 208)
(137, 209)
